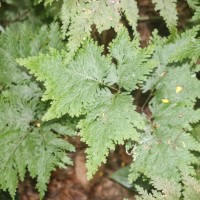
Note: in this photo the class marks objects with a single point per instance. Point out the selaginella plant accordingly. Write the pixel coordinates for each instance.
(88, 91)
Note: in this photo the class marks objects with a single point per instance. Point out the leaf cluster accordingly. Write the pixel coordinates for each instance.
(78, 85)
(170, 190)
(27, 144)
(86, 86)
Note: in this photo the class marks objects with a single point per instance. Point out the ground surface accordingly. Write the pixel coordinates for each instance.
(72, 184)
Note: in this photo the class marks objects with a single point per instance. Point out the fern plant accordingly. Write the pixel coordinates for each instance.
(172, 190)
(26, 143)
(93, 92)
(102, 108)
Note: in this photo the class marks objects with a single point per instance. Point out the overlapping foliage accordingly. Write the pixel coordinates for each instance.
(25, 142)
(84, 87)
(171, 190)
(82, 82)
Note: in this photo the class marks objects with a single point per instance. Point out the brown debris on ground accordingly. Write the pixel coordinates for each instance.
(72, 184)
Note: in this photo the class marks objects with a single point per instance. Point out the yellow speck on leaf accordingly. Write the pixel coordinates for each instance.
(165, 100)
(178, 89)
(38, 125)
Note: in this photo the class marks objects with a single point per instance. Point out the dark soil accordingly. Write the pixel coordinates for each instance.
(72, 184)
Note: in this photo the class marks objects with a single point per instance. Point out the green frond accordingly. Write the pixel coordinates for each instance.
(133, 64)
(84, 86)
(20, 142)
(181, 98)
(79, 16)
(195, 5)
(170, 191)
(74, 87)
(191, 188)
(19, 42)
(109, 124)
(169, 53)
(26, 144)
(168, 11)
(191, 51)
(39, 151)
(131, 11)
(145, 195)
(163, 156)
(86, 89)
(169, 149)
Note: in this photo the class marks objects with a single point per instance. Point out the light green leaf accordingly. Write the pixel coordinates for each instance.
(74, 87)
(133, 64)
(168, 11)
(109, 124)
